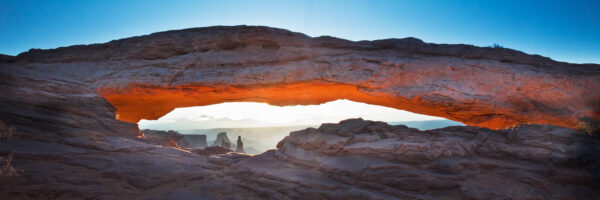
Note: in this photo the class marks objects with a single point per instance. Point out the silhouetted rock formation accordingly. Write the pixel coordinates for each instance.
(240, 145)
(222, 140)
(225, 145)
(195, 141)
(165, 138)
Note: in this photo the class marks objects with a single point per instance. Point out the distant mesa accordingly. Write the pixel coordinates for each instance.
(240, 145)
(174, 139)
(195, 141)
(226, 145)
(164, 138)
(222, 141)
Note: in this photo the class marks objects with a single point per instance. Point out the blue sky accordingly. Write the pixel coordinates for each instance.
(563, 30)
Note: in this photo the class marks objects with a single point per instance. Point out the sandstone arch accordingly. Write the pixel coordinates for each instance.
(64, 104)
(146, 77)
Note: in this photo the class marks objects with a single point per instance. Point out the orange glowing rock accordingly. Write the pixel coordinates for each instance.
(139, 102)
(148, 76)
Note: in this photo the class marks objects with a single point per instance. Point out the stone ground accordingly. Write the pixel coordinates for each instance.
(355, 159)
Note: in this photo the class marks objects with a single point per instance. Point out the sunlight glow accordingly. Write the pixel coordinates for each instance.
(249, 114)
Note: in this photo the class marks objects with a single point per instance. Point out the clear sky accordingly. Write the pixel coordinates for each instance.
(563, 30)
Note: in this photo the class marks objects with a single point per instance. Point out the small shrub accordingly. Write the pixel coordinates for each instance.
(590, 149)
(6, 167)
(172, 143)
(141, 135)
(495, 45)
(6, 133)
(590, 126)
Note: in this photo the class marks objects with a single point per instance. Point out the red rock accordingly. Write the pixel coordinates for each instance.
(64, 104)
(148, 76)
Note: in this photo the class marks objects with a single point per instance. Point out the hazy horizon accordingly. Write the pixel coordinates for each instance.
(254, 115)
(259, 139)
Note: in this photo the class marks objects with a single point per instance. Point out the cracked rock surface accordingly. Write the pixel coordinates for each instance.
(355, 159)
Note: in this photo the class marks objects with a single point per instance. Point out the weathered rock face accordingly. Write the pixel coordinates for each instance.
(338, 161)
(146, 77)
(354, 159)
(525, 162)
(68, 143)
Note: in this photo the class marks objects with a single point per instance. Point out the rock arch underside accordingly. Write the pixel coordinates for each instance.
(74, 110)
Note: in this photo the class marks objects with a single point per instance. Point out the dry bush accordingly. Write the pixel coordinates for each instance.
(141, 135)
(172, 143)
(6, 167)
(590, 126)
(7, 133)
(590, 149)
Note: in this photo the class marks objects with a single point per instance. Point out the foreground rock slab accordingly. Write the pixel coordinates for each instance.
(355, 159)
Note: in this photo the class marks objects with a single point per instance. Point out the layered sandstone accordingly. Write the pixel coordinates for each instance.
(397, 162)
(355, 159)
(148, 76)
(72, 110)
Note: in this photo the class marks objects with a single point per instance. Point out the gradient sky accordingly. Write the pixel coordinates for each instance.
(563, 30)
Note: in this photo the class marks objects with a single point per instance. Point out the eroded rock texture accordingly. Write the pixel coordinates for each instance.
(72, 110)
(354, 159)
(525, 162)
(146, 77)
